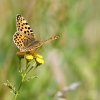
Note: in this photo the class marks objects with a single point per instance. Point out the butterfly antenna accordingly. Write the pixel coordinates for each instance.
(52, 38)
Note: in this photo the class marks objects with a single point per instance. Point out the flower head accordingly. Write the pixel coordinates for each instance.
(20, 54)
(28, 57)
(39, 59)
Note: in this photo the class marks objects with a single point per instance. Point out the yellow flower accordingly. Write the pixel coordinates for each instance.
(38, 56)
(28, 57)
(33, 53)
(20, 54)
(39, 59)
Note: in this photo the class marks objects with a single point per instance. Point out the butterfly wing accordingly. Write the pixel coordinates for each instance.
(25, 38)
(24, 27)
(24, 43)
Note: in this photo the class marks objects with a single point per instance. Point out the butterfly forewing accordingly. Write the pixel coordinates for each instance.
(24, 27)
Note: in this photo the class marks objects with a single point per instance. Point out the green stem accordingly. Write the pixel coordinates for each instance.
(31, 68)
(20, 65)
(15, 97)
(20, 86)
(23, 78)
(27, 65)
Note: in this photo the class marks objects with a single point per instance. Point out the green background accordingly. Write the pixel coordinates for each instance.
(75, 57)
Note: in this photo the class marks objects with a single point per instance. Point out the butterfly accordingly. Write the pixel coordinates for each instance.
(25, 39)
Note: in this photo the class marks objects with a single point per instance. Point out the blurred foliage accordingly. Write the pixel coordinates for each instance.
(75, 57)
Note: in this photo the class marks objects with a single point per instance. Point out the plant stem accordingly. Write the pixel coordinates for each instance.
(20, 65)
(31, 68)
(17, 92)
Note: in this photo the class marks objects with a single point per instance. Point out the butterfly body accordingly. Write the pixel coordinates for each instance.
(25, 38)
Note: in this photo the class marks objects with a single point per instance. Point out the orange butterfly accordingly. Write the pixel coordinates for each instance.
(25, 38)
